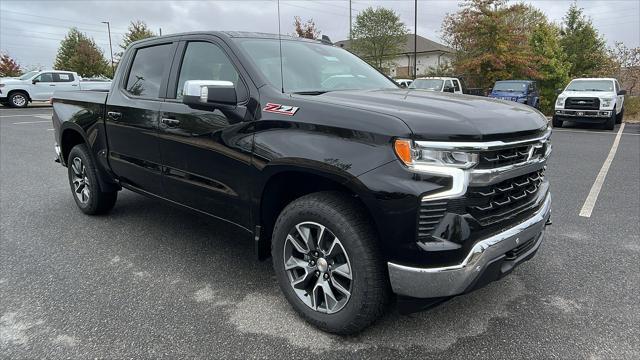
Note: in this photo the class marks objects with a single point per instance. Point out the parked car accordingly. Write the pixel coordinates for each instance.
(404, 83)
(441, 84)
(40, 86)
(590, 100)
(522, 91)
(354, 189)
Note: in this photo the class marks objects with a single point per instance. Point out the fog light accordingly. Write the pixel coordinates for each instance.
(558, 112)
(604, 113)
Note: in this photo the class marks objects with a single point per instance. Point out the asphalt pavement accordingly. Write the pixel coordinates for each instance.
(152, 281)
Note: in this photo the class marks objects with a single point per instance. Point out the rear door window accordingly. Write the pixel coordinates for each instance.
(148, 70)
(63, 77)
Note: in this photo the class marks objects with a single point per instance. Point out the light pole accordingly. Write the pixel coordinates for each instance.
(113, 69)
(415, 39)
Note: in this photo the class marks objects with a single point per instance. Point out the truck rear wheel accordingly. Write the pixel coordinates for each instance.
(326, 259)
(83, 179)
(18, 99)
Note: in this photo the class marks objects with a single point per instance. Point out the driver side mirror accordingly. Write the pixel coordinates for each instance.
(558, 91)
(207, 94)
(622, 92)
(35, 81)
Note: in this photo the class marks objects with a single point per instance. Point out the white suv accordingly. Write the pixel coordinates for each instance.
(590, 100)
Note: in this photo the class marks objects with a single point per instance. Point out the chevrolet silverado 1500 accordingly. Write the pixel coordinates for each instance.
(355, 188)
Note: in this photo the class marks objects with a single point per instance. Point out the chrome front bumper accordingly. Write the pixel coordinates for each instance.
(456, 279)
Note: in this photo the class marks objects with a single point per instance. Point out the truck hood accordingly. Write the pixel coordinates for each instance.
(598, 94)
(12, 81)
(444, 116)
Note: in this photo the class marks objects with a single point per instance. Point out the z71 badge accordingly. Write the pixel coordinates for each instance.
(280, 109)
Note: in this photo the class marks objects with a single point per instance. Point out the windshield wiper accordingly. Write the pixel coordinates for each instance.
(312, 92)
(593, 90)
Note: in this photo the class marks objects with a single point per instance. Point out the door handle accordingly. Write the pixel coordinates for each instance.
(170, 122)
(51, 85)
(113, 115)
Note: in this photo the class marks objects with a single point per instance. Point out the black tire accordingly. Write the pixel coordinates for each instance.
(81, 170)
(620, 116)
(611, 122)
(369, 288)
(18, 99)
(557, 123)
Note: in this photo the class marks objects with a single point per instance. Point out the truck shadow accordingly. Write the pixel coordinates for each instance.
(218, 266)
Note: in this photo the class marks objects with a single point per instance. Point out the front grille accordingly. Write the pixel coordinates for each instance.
(429, 216)
(492, 204)
(582, 103)
(520, 249)
(509, 156)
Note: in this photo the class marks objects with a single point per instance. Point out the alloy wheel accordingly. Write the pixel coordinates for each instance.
(81, 184)
(19, 100)
(318, 267)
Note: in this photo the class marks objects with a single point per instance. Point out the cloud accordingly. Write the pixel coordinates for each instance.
(31, 30)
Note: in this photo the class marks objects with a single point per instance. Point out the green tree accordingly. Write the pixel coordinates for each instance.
(307, 29)
(378, 35)
(8, 66)
(584, 47)
(552, 64)
(79, 53)
(489, 46)
(137, 30)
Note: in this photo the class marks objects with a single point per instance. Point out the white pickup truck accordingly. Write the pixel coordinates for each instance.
(440, 84)
(40, 86)
(590, 100)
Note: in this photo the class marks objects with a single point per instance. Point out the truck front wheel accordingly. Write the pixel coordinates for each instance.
(18, 99)
(83, 179)
(620, 116)
(327, 262)
(610, 124)
(557, 123)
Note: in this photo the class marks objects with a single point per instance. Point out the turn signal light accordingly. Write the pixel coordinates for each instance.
(403, 150)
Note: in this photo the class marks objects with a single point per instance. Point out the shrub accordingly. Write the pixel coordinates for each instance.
(632, 108)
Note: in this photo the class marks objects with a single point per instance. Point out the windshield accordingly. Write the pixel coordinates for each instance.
(28, 75)
(312, 67)
(590, 85)
(510, 86)
(428, 84)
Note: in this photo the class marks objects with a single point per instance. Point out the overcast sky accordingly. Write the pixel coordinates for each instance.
(31, 31)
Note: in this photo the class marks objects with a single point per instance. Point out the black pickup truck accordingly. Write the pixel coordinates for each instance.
(361, 193)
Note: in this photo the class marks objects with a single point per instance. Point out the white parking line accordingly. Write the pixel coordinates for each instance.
(590, 201)
(31, 122)
(19, 115)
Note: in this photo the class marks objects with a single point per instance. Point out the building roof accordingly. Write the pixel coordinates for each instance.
(423, 45)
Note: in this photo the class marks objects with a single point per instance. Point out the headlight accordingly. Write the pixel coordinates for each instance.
(560, 101)
(606, 103)
(414, 156)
